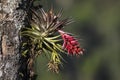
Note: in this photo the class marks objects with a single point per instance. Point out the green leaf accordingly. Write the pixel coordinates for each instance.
(24, 53)
(47, 45)
(24, 44)
(58, 47)
(35, 27)
(50, 38)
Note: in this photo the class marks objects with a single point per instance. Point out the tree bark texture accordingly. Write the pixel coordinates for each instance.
(11, 21)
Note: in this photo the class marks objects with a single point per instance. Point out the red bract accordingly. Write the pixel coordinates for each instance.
(70, 44)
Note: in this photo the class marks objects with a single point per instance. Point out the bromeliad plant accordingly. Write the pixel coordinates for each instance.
(47, 37)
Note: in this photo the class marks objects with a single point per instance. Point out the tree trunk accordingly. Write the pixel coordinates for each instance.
(11, 21)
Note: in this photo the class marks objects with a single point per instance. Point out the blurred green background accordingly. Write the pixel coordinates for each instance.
(97, 24)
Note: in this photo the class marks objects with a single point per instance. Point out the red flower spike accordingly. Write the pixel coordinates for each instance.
(70, 44)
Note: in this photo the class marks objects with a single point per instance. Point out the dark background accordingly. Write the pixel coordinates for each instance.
(97, 24)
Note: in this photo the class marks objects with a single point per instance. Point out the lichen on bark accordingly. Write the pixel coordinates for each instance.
(11, 21)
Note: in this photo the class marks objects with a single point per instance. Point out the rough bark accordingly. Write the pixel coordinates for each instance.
(11, 21)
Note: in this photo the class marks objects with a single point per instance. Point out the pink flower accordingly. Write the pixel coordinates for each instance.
(70, 44)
